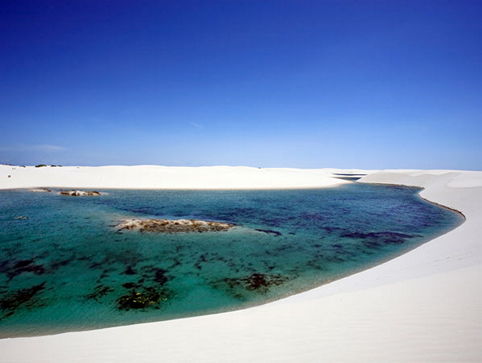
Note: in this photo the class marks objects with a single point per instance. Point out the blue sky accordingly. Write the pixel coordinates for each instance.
(310, 84)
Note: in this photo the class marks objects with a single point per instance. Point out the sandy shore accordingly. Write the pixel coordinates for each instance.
(425, 305)
(165, 177)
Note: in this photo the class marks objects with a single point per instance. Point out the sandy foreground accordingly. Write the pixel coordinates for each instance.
(425, 305)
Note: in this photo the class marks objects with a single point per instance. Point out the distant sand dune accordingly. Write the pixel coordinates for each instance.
(164, 177)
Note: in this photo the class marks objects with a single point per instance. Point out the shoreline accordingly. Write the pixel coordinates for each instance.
(425, 199)
(412, 307)
(446, 207)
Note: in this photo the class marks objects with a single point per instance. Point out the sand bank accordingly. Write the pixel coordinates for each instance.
(425, 305)
(165, 177)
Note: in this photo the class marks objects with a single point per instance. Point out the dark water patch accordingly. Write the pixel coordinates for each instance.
(269, 231)
(129, 271)
(15, 268)
(160, 276)
(10, 302)
(130, 285)
(99, 292)
(256, 282)
(58, 264)
(377, 238)
(201, 260)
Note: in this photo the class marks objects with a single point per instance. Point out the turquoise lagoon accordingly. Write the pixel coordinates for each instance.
(64, 267)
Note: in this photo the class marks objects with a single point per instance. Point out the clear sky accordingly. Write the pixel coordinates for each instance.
(310, 84)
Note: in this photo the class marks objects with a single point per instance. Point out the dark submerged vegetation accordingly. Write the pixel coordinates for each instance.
(10, 302)
(145, 298)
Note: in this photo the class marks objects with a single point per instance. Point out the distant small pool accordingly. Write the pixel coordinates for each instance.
(64, 267)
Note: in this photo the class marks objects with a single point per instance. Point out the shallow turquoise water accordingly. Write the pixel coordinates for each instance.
(66, 268)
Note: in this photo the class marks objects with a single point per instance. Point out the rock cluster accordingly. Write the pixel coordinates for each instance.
(173, 226)
(80, 193)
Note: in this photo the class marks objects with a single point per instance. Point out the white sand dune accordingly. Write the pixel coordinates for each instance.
(425, 305)
(164, 177)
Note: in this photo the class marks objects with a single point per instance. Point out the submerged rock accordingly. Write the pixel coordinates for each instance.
(256, 281)
(80, 193)
(148, 297)
(173, 226)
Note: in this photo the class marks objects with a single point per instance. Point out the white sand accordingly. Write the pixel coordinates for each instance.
(164, 177)
(425, 305)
